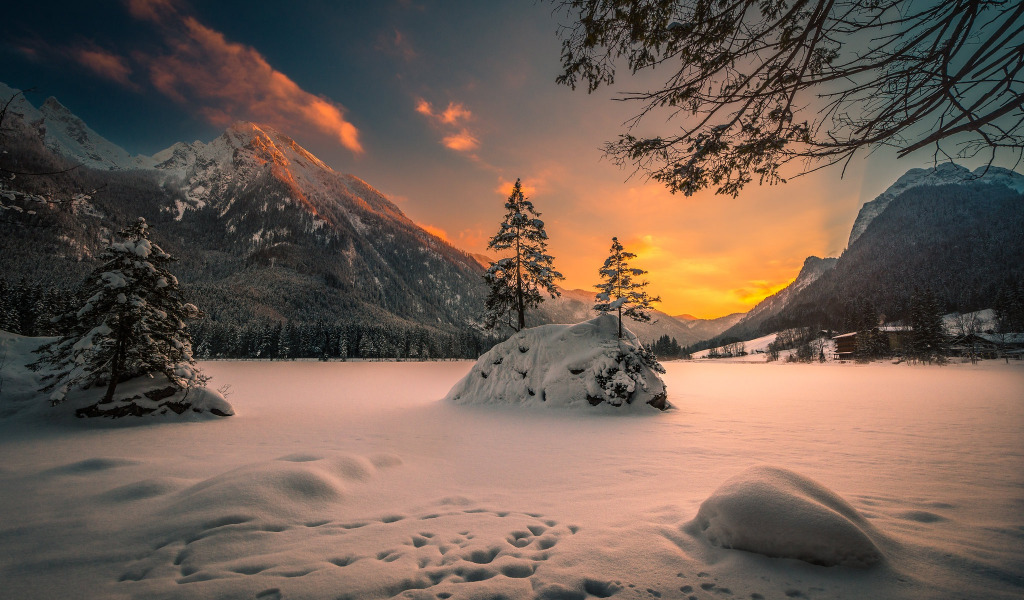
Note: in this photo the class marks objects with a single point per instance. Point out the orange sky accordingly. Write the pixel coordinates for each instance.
(441, 108)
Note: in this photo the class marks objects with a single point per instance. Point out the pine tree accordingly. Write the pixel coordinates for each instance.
(132, 324)
(516, 282)
(927, 338)
(619, 292)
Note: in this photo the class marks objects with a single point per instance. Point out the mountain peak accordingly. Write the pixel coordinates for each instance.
(269, 145)
(941, 174)
(53, 106)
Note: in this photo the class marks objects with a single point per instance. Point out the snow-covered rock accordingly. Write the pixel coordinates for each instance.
(782, 514)
(566, 365)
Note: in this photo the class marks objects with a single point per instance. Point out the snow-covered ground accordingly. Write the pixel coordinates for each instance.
(754, 349)
(353, 480)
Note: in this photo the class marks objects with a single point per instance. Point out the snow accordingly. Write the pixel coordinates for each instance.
(754, 348)
(580, 365)
(355, 480)
(779, 513)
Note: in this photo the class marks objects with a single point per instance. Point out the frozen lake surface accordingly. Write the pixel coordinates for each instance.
(352, 480)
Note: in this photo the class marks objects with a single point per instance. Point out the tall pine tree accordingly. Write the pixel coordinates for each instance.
(516, 282)
(618, 290)
(927, 338)
(132, 324)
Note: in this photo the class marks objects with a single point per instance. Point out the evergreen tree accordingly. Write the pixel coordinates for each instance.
(516, 282)
(619, 292)
(132, 324)
(8, 313)
(927, 339)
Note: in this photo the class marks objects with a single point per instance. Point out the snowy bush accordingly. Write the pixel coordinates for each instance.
(566, 365)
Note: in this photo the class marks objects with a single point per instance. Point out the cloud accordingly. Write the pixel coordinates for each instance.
(229, 81)
(434, 231)
(104, 64)
(152, 10)
(463, 141)
(643, 246)
(397, 44)
(505, 187)
(758, 290)
(451, 121)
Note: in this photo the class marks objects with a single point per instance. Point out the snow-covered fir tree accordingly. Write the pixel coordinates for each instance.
(132, 324)
(619, 292)
(517, 282)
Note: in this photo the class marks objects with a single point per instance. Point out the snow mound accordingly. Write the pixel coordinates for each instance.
(781, 514)
(566, 365)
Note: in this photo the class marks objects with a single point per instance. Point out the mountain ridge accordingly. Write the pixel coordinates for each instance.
(249, 210)
(938, 209)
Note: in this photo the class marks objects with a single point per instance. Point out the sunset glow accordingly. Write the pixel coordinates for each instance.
(442, 111)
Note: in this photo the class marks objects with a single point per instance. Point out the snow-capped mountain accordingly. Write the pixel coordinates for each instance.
(945, 173)
(264, 228)
(69, 136)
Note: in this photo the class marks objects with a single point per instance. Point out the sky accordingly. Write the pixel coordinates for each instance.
(440, 106)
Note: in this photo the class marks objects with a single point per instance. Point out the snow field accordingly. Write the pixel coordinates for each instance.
(351, 480)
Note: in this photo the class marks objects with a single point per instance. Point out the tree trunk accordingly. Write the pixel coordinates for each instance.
(519, 285)
(620, 321)
(116, 366)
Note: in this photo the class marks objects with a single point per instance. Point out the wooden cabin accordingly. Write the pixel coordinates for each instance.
(846, 346)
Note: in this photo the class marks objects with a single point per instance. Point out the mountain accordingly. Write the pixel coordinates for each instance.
(69, 136)
(264, 230)
(705, 329)
(576, 306)
(943, 174)
(751, 322)
(946, 229)
(266, 234)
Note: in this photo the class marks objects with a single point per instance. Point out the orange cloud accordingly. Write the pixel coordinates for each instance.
(434, 231)
(505, 187)
(455, 113)
(232, 81)
(643, 246)
(462, 141)
(105, 64)
(473, 239)
(452, 122)
(758, 290)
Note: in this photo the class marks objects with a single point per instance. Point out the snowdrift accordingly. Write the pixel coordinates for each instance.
(782, 514)
(566, 365)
